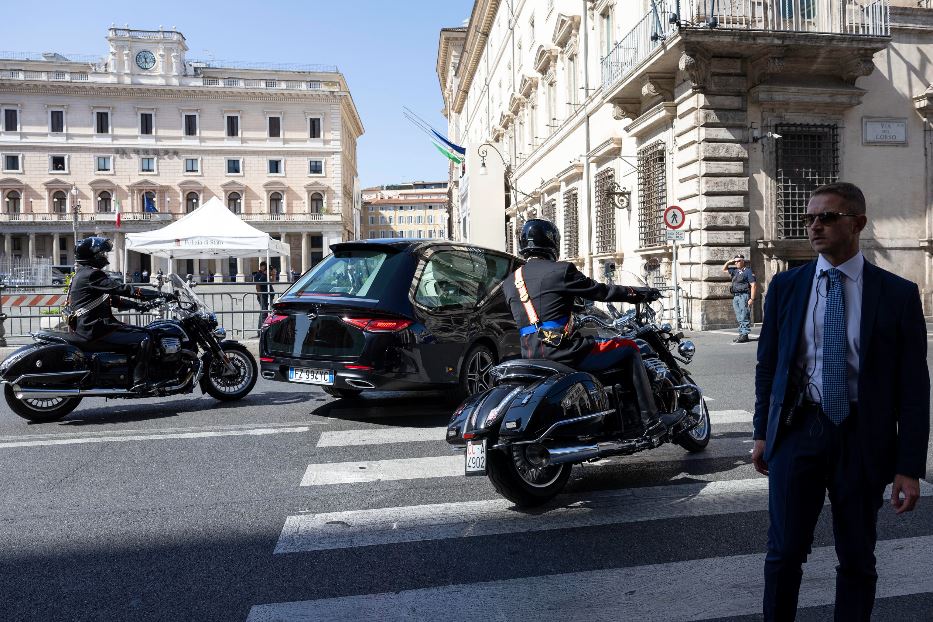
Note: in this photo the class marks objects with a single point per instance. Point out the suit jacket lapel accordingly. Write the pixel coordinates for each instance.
(798, 308)
(871, 294)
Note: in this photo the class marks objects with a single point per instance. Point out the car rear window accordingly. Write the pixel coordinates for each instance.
(347, 273)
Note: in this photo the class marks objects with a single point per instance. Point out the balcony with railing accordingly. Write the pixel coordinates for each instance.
(294, 217)
(715, 23)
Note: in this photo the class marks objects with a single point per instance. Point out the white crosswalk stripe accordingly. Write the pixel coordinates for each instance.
(337, 530)
(706, 588)
(387, 435)
(451, 465)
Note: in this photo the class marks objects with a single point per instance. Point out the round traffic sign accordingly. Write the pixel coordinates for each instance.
(674, 217)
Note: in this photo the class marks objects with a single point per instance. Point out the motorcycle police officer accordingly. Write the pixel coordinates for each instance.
(540, 295)
(91, 295)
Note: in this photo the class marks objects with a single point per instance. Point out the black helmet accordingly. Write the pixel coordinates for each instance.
(93, 251)
(539, 238)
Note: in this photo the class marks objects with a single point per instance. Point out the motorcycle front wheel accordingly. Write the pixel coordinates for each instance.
(228, 388)
(40, 410)
(522, 483)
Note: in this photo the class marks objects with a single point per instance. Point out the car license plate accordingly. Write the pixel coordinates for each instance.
(476, 457)
(311, 376)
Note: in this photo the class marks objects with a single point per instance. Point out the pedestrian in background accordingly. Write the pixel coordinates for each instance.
(842, 403)
(744, 290)
(264, 291)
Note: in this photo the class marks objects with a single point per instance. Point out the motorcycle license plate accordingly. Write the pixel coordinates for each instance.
(476, 457)
(311, 376)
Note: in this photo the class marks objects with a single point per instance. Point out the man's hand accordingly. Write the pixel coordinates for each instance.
(910, 487)
(758, 457)
(751, 301)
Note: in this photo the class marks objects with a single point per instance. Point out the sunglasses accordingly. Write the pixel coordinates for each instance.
(825, 218)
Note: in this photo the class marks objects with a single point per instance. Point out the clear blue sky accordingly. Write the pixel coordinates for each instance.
(387, 50)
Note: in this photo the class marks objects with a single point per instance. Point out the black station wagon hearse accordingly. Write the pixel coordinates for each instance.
(393, 314)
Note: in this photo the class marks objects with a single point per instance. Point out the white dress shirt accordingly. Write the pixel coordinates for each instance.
(810, 349)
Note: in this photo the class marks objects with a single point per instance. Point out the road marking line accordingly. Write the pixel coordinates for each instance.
(170, 430)
(151, 437)
(381, 436)
(715, 587)
(387, 435)
(444, 521)
(382, 470)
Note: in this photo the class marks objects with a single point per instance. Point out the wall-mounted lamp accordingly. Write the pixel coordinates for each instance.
(621, 197)
(755, 133)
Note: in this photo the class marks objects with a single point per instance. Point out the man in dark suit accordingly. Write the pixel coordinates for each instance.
(841, 404)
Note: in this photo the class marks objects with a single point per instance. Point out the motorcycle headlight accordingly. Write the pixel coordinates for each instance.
(220, 333)
(686, 349)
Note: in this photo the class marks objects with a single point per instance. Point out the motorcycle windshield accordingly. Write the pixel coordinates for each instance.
(187, 295)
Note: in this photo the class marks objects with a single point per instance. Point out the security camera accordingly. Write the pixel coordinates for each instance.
(773, 135)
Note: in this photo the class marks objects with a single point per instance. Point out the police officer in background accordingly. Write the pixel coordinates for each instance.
(541, 294)
(94, 292)
(743, 290)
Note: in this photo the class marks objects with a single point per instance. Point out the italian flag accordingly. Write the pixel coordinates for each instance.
(116, 203)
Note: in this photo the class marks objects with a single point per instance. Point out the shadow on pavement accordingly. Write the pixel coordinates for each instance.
(404, 409)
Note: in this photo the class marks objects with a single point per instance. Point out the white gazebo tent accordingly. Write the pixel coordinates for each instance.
(209, 232)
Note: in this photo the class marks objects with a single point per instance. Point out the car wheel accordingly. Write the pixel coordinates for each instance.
(474, 375)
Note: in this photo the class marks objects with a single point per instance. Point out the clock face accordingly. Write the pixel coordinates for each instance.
(145, 59)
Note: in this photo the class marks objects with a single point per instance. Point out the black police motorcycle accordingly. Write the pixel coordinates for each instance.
(46, 380)
(541, 417)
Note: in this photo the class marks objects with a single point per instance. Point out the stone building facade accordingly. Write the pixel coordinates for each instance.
(607, 112)
(152, 134)
(411, 210)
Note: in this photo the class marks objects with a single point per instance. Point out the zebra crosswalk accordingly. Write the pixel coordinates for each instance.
(673, 494)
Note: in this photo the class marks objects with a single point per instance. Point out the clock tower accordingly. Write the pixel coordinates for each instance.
(146, 56)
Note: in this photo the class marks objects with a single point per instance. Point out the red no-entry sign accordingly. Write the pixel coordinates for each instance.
(674, 217)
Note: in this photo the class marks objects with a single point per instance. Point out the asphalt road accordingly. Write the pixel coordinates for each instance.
(292, 506)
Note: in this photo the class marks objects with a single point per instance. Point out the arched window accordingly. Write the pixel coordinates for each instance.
(317, 203)
(275, 203)
(59, 202)
(12, 202)
(149, 201)
(104, 202)
(233, 202)
(191, 202)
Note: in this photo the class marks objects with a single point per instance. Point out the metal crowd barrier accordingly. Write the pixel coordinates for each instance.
(237, 309)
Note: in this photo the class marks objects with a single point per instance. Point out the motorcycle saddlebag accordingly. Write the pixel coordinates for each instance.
(44, 365)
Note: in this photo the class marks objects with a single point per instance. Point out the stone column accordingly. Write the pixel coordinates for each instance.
(240, 275)
(711, 182)
(218, 270)
(305, 252)
(32, 248)
(285, 272)
(8, 245)
(56, 242)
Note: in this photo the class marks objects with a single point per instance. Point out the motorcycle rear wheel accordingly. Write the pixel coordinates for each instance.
(521, 483)
(45, 410)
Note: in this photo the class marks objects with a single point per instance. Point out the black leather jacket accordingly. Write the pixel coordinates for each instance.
(552, 287)
(87, 286)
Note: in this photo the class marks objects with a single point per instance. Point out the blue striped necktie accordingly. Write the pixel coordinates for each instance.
(835, 366)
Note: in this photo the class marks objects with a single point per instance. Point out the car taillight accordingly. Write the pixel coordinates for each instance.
(378, 325)
(274, 318)
(266, 359)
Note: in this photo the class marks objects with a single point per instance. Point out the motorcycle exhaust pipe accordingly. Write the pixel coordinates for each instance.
(27, 393)
(582, 453)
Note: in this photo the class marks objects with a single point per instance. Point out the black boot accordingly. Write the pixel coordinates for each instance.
(141, 369)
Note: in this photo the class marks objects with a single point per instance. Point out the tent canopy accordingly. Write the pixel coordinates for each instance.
(211, 231)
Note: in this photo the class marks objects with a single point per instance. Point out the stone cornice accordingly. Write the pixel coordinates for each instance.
(571, 172)
(481, 20)
(907, 18)
(651, 119)
(924, 103)
(797, 97)
(564, 29)
(73, 89)
(544, 58)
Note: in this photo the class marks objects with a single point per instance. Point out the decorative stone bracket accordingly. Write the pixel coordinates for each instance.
(695, 65)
